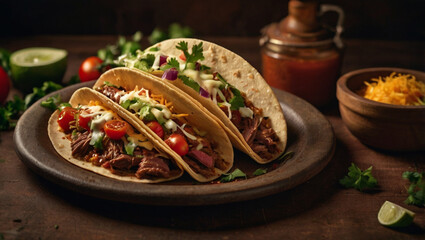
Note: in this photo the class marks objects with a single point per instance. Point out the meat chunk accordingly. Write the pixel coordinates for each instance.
(81, 145)
(124, 162)
(153, 166)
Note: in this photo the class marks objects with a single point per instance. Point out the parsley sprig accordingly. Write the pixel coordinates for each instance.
(359, 179)
(416, 189)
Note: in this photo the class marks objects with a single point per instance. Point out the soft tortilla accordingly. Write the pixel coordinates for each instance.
(239, 73)
(63, 147)
(130, 78)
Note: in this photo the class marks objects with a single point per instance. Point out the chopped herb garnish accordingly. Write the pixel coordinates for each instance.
(237, 173)
(260, 171)
(416, 189)
(190, 82)
(358, 179)
(237, 100)
(2, 160)
(38, 93)
(56, 226)
(10, 113)
(196, 55)
(172, 63)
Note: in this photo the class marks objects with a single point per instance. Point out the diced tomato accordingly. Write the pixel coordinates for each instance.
(178, 144)
(156, 128)
(115, 129)
(84, 121)
(66, 116)
(182, 57)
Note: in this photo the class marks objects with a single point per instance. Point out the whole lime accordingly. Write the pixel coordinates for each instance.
(30, 67)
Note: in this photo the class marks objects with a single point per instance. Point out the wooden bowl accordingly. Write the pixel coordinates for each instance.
(380, 125)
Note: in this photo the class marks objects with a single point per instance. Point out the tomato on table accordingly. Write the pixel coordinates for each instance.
(66, 116)
(115, 129)
(156, 128)
(90, 69)
(178, 144)
(4, 85)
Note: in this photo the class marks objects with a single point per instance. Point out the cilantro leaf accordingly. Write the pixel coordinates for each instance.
(358, 179)
(196, 55)
(416, 189)
(172, 63)
(237, 173)
(52, 102)
(189, 82)
(237, 100)
(260, 171)
(38, 93)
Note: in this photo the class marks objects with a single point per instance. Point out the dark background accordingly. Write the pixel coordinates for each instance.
(365, 19)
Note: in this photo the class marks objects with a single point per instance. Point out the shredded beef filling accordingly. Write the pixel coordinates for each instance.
(143, 163)
(256, 131)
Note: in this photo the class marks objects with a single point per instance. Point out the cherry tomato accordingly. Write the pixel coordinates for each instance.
(156, 128)
(178, 144)
(66, 116)
(115, 129)
(89, 69)
(84, 121)
(4, 85)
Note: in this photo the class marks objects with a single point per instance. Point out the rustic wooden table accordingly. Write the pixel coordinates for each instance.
(34, 208)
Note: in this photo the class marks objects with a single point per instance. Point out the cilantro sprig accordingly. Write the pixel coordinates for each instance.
(12, 110)
(196, 55)
(359, 179)
(416, 189)
(228, 177)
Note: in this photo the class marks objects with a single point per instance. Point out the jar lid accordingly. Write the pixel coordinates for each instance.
(302, 27)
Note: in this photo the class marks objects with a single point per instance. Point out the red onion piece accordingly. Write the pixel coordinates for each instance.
(170, 74)
(162, 60)
(203, 92)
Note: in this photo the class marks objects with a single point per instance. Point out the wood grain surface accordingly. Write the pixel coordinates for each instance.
(34, 208)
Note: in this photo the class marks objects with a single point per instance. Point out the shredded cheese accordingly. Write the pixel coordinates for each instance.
(398, 89)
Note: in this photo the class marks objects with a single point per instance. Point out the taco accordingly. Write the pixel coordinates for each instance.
(94, 136)
(226, 85)
(198, 141)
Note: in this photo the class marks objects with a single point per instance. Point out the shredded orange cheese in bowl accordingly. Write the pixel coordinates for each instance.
(398, 89)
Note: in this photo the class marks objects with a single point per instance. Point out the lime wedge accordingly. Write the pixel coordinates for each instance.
(393, 215)
(30, 67)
